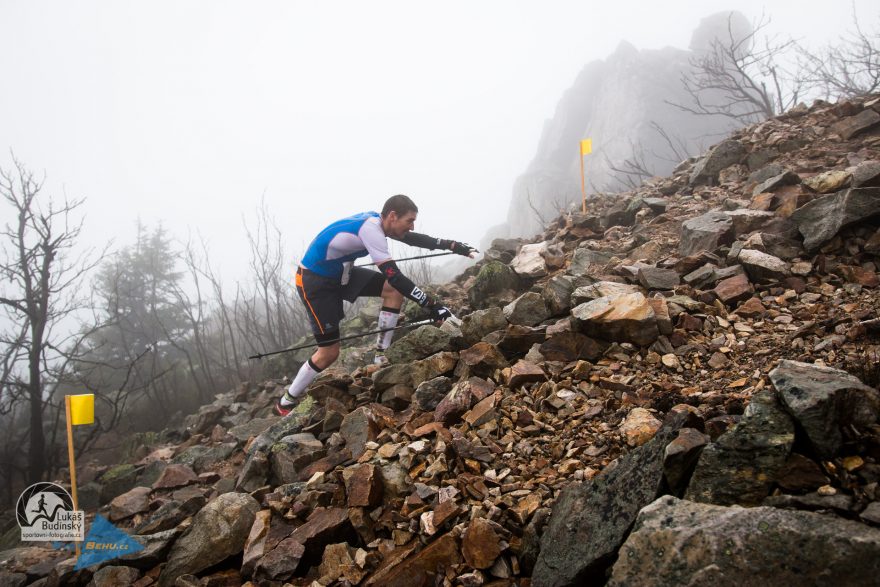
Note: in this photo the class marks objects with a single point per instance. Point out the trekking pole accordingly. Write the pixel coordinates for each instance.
(413, 258)
(305, 346)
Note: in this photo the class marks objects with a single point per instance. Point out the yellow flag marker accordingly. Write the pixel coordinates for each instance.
(586, 149)
(80, 409)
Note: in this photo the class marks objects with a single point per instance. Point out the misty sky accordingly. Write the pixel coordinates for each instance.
(189, 112)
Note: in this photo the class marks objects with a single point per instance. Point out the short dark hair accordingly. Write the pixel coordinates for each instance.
(400, 204)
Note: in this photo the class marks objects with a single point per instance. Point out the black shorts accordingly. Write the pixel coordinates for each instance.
(322, 297)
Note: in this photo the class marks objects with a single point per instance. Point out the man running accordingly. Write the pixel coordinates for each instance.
(326, 277)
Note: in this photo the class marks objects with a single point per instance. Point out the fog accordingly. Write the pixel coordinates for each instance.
(190, 113)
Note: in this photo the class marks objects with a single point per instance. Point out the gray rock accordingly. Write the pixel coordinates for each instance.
(742, 464)
(825, 402)
(218, 531)
(776, 182)
(156, 547)
(358, 428)
(169, 515)
(587, 262)
(117, 481)
(624, 318)
(822, 218)
(254, 472)
(200, 457)
(657, 278)
(590, 520)
(418, 344)
(705, 233)
(766, 172)
(503, 249)
(430, 392)
(761, 266)
(557, 295)
(290, 455)
(391, 376)
(253, 427)
(676, 542)
(866, 174)
(745, 221)
(528, 309)
(478, 324)
(719, 157)
(850, 126)
(774, 244)
(701, 277)
(494, 277)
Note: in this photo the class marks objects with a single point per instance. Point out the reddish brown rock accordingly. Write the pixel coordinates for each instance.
(130, 503)
(175, 476)
(422, 567)
(801, 474)
(281, 562)
(752, 308)
(524, 372)
(571, 346)
(483, 359)
(860, 275)
(481, 545)
(482, 412)
(255, 547)
(734, 289)
(363, 485)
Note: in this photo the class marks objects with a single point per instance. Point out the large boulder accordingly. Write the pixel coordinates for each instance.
(624, 318)
(677, 542)
(587, 262)
(418, 344)
(218, 531)
(528, 309)
(494, 277)
(821, 219)
(741, 466)
(721, 156)
(825, 402)
(478, 324)
(705, 233)
(557, 294)
(591, 520)
(601, 289)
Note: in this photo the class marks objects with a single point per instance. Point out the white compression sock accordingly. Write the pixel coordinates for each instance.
(301, 382)
(387, 319)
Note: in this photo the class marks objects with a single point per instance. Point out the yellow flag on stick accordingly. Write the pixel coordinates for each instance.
(586, 147)
(82, 409)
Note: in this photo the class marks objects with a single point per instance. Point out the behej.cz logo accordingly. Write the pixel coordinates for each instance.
(45, 513)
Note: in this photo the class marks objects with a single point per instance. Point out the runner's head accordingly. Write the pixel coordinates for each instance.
(399, 216)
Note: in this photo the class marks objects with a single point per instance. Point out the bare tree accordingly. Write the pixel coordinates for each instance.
(41, 278)
(742, 77)
(848, 69)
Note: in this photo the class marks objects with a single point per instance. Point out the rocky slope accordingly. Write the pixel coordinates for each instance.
(678, 387)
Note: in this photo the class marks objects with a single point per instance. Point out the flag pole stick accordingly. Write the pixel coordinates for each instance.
(72, 463)
(583, 186)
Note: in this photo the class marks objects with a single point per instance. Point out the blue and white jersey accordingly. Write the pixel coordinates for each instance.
(344, 241)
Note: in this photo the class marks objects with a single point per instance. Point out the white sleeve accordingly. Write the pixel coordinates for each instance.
(374, 240)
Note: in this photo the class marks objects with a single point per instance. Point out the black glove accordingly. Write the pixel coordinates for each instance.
(439, 313)
(462, 249)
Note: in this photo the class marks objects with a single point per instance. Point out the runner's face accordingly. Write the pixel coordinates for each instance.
(400, 225)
